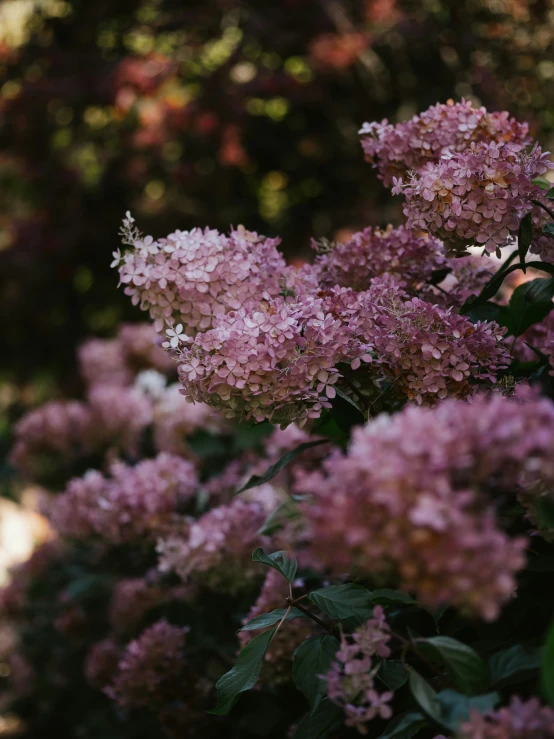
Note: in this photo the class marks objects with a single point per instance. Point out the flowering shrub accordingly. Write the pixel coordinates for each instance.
(377, 564)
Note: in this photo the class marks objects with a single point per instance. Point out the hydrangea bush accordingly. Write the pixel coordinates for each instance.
(329, 489)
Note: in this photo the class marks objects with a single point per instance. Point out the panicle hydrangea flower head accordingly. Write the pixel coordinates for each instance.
(216, 549)
(413, 496)
(57, 431)
(118, 416)
(476, 196)
(142, 349)
(152, 668)
(520, 720)
(134, 502)
(102, 362)
(274, 362)
(453, 127)
(131, 600)
(102, 662)
(431, 353)
(468, 276)
(373, 252)
(191, 277)
(279, 656)
(175, 419)
(351, 679)
(541, 243)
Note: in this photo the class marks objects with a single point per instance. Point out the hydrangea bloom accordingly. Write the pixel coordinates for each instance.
(175, 419)
(118, 416)
(102, 362)
(216, 549)
(279, 655)
(411, 259)
(351, 679)
(476, 196)
(520, 720)
(395, 150)
(131, 600)
(413, 497)
(133, 502)
(276, 361)
(102, 662)
(152, 668)
(431, 352)
(191, 277)
(57, 432)
(468, 276)
(141, 346)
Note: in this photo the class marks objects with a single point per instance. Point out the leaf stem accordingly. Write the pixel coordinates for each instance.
(321, 623)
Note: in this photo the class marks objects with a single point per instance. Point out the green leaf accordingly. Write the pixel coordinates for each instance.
(513, 665)
(493, 285)
(544, 509)
(550, 193)
(548, 229)
(243, 675)
(487, 311)
(388, 597)
(547, 667)
(348, 399)
(404, 726)
(313, 658)
(439, 275)
(273, 617)
(393, 674)
(274, 469)
(287, 511)
(542, 182)
(524, 237)
(320, 723)
(280, 561)
(346, 413)
(530, 303)
(424, 695)
(462, 663)
(456, 708)
(344, 601)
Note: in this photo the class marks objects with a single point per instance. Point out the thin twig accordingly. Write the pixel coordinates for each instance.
(327, 628)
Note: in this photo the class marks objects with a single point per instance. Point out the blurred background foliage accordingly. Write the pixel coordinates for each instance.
(214, 113)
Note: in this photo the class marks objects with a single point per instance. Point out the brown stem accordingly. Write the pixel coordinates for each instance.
(310, 615)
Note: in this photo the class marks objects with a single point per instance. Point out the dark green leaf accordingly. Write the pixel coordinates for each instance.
(540, 563)
(544, 509)
(547, 667)
(313, 658)
(439, 275)
(269, 619)
(243, 675)
(456, 708)
(318, 724)
(524, 237)
(487, 311)
(493, 285)
(530, 303)
(280, 561)
(550, 193)
(462, 663)
(542, 182)
(388, 597)
(513, 665)
(393, 674)
(548, 229)
(424, 695)
(346, 413)
(404, 726)
(279, 517)
(274, 469)
(344, 601)
(350, 400)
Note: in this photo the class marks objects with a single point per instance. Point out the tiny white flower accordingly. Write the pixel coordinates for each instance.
(175, 336)
(116, 258)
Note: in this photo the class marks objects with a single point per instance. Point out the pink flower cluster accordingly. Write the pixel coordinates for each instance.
(276, 361)
(373, 252)
(191, 277)
(476, 196)
(413, 497)
(216, 549)
(133, 502)
(118, 416)
(58, 429)
(279, 655)
(351, 679)
(116, 361)
(102, 662)
(152, 668)
(520, 720)
(395, 150)
(430, 352)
